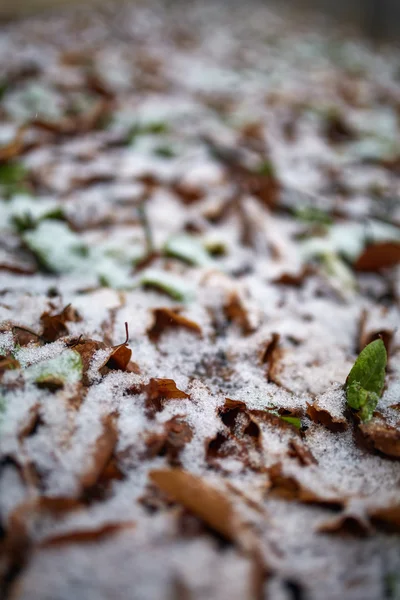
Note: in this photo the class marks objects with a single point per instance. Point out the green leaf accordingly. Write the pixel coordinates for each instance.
(265, 168)
(168, 283)
(56, 247)
(165, 152)
(364, 383)
(295, 421)
(187, 248)
(67, 368)
(151, 128)
(12, 176)
(27, 212)
(312, 214)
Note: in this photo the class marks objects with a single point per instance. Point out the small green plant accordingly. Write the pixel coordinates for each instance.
(364, 383)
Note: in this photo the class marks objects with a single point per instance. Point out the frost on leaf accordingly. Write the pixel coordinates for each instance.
(171, 441)
(380, 435)
(364, 383)
(290, 487)
(322, 415)
(55, 372)
(56, 248)
(159, 390)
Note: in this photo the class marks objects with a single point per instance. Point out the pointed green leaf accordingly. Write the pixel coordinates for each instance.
(187, 248)
(364, 384)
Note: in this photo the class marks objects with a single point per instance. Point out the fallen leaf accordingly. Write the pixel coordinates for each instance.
(54, 326)
(103, 450)
(324, 417)
(337, 129)
(177, 433)
(87, 350)
(381, 436)
(8, 363)
(188, 249)
(290, 488)
(168, 283)
(207, 503)
(159, 390)
(368, 334)
(346, 524)
(261, 182)
(85, 536)
(168, 318)
(17, 545)
(267, 353)
(294, 279)
(299, 450)
(236, 312)
(387, 517)
(189, 194)
(14, 147)
(381, 255)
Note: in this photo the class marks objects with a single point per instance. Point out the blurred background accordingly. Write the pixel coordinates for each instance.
(377, 19)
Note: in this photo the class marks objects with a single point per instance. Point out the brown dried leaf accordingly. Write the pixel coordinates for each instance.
(368, 334)
(267, 352)
(168, 318)
(324, 417)
(346, 524)
(177, 433)
(290, 488)
(17, 544)
(24, 336)
(103, 451)
(294, 279)
(273, 355)
(87, 349)
(387, 517)
(54, 326)
(158, 390)
(337, 129)
(299, 450)
(119, 358)
(84, 536)
(381, 436)
(381, 255)
(236, 312)
(8, 363)
(248, 427)
(32, 422)
(189, 194)
(207, 503)
(14, 147)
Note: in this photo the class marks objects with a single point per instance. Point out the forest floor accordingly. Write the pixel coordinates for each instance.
(200, 232)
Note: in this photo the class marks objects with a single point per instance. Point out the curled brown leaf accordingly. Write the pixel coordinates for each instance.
(379, 435)
(168, 318)
(325, 418)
